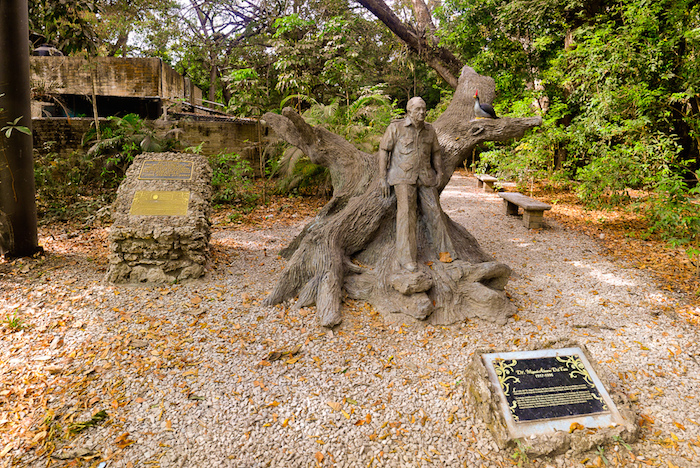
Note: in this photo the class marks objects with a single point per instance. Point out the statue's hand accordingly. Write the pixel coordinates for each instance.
(438, 179)
(386, 190)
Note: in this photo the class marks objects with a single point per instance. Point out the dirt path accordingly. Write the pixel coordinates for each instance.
(186, 376)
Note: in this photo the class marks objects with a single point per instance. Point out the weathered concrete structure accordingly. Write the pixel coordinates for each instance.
(62, 110)
(145, 86)
(63, 135)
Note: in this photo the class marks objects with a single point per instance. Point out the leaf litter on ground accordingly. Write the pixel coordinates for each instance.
(46, 294)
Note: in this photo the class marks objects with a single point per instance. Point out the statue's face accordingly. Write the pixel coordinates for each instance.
(417, 113)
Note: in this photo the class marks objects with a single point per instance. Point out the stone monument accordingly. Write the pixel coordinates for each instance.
(161, 224)
(550, 400)
(350, 249)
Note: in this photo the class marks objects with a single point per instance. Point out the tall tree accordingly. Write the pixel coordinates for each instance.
(18, 216)
(420, 39)
(217, 26)
(66, 25)
(125, 27)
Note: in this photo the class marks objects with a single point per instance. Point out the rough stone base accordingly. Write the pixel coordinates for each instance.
(161, 249)
(484, 401)
(443, 294)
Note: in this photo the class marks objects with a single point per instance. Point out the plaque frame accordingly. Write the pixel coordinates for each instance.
(523, 429)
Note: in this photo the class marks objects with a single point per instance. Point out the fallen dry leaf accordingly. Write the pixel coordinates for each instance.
(575, 427)
(334, 405)
(123, 440)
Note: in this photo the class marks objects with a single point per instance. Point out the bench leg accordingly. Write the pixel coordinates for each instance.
(479, 183)
(533, 219)
(510, 208)
(488, 187)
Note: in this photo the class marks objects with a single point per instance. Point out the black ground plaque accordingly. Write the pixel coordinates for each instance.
(547, 390)
(166, 170)
(548, 387)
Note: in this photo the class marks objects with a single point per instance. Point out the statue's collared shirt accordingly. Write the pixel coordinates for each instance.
(413, 153)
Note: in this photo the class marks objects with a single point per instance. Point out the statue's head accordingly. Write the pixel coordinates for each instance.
(415, 108)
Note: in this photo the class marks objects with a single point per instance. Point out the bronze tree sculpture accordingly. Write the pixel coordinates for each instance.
(349, 246)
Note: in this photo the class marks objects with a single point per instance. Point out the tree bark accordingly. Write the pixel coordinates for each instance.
(349, 246)
(439, 58)
(18, 215)
(423, 18)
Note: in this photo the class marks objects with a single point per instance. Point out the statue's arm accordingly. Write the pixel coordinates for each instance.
(385, 148)
(437, 160)
(383, 162)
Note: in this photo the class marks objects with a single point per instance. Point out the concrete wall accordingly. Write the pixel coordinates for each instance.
(59, 134)
(240, 137)
(122, 77)
(217, 136)
(114, 76)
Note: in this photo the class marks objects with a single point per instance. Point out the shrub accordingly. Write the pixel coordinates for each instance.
(232, 179)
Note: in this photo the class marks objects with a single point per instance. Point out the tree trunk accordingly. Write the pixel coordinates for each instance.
(423, 18)
(439, 58)
(18, 216)
(349, 246)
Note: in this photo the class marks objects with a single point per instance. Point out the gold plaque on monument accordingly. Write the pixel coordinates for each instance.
(166, 170)
(159, 203)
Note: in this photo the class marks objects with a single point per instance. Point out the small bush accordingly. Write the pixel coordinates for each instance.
(232, 179)
(674, 214)
(62, 181)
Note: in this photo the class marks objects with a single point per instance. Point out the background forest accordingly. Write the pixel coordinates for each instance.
(617, 82)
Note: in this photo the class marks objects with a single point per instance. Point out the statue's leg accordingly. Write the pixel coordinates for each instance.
(435, 220)
(406, 218)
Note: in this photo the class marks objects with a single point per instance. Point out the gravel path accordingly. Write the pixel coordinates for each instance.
(182, 371)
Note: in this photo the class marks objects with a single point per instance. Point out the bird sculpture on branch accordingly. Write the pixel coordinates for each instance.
(483, 111)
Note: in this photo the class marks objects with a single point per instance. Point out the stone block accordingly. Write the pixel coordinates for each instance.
(152, 247)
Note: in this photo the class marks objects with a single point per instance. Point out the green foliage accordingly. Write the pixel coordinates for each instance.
(66, 183)
(601, 453)
(534, 157)
(519, 455)
(154, 22)
(444, 102)
(97, 418)
(120, 141)
(66, 24)
(232, 179)
(15, 322)
(62, 180)
(305, 177)
(320, 60)
(250, 96)
(14, 126)
(618, 86)
(674, 213)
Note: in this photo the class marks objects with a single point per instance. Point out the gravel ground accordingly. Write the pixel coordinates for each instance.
(182, 371)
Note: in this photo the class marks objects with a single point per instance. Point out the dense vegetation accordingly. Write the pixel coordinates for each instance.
(617, 81)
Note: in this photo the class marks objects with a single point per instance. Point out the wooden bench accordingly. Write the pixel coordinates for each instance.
(533, 210)
(486, 181)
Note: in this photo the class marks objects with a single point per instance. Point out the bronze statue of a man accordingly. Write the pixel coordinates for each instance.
(410, 160)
